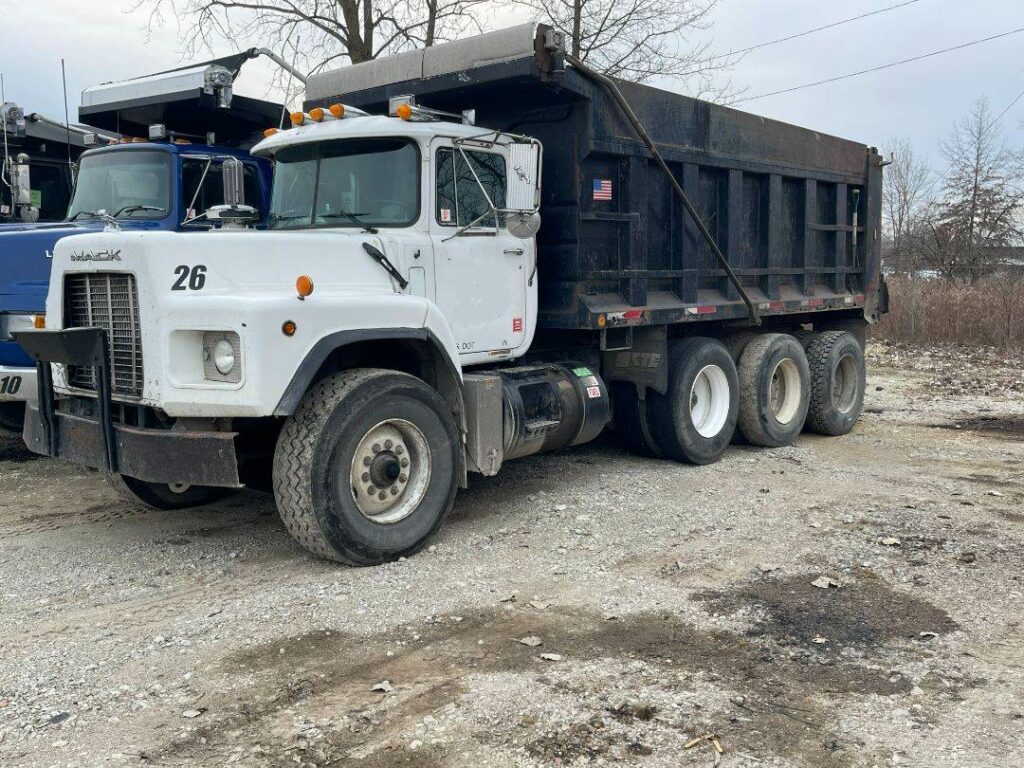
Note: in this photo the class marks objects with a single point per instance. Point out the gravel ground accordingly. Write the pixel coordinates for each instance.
(842, 602)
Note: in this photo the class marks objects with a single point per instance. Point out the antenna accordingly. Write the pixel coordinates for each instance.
(67, 122)
(7, 155)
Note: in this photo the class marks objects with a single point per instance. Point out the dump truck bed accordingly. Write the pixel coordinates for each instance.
(796, 212)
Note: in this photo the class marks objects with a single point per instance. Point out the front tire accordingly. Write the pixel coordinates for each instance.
(163, 495)
(694, 421)
(366, 469)
(12, 416)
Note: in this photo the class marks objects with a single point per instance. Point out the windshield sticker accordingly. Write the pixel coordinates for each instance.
(446, 215)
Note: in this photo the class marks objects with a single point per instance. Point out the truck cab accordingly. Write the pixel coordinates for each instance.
(144, 186)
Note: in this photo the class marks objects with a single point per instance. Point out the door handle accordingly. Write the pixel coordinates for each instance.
(514, 251)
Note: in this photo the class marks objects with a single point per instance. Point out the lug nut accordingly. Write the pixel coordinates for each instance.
(405, 462)
(371, 490)
(388, 444)
(394, 490)
(376, 447)
(399, 449)
(366, 477)
(367, 461)
(403, 477)
(382, 495)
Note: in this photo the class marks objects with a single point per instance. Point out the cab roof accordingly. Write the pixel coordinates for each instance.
(364, 126)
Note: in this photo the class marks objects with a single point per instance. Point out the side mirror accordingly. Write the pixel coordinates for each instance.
(234, 212)
(21, 184)
(523, 192)
(233, 172)
(523, 224)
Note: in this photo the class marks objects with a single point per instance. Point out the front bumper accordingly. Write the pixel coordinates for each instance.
(96, 440)
(17, 384)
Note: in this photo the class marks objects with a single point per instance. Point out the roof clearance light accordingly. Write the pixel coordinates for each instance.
(298, 118)
(269, 132)
(404, 111)
(316, 114)
(338, 110)
(304, 286)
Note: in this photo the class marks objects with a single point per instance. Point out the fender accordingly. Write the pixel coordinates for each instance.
(310, 366)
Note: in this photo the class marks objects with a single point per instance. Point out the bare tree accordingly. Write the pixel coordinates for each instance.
(331, 31)
(638, 39)
(983, 198)
(906, 205)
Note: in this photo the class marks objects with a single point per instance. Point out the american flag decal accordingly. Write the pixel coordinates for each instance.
(603, 189)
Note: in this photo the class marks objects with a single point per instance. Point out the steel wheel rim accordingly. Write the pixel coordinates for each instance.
(179, 487)
(844, 384)
(784, 391)
(390, 471)
(709, 401)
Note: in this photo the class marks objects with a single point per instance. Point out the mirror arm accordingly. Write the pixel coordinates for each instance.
(199, 187)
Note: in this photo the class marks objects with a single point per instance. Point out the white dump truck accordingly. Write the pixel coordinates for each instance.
(475, 253)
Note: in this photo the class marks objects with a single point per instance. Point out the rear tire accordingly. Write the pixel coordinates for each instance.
(12, 416)
(162, 495)
(695, 419)
(632, 423)
(838, 381)
(775, 388)
(366, 469)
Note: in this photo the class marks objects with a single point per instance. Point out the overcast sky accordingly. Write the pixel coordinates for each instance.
(919, 100)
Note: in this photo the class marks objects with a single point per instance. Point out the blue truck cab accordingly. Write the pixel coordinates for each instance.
(144, 185)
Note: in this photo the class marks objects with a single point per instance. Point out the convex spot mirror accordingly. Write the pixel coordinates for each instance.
(523, 224)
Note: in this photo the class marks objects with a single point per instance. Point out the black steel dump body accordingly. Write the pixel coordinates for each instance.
(616, 246)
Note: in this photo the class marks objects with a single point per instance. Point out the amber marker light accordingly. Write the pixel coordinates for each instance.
(404, 111)
(288, 328)
(316, 115)
(39, 322)
(338, 110)
(602, 321)
(269, 132)
(298, 118)
(304, 286)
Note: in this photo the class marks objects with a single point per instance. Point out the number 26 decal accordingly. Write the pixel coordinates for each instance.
(189, 278)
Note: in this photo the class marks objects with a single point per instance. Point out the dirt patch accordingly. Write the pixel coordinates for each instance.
(429, 668)
(1006, 427)
(1013, 517)
(863, 613)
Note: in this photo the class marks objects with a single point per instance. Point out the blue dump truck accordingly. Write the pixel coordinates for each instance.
(36, 156)
(160, 177)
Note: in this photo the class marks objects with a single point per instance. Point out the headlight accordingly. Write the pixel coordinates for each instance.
(222, 356)
(13, 323)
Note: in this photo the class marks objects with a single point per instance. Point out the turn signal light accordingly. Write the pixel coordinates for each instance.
(316, 114)
(298, 118)
(39, 322)
(404, 111)
(269, 132)
(288, 328)
(338, 110)
(304, 286)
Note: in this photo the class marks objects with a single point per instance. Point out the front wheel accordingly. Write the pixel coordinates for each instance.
(366, 469)
(163, 495)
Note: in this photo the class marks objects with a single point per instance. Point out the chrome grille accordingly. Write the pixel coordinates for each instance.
(108, 300)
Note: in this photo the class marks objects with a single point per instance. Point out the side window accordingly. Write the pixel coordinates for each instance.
(460, 199)
(195, 198)
(51, 191)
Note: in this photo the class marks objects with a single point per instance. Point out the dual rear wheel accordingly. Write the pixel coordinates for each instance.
(764, 387)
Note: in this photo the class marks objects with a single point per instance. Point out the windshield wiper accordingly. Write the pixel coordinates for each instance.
(354, 218)
(136, 208)
(94, 214)
(276, 217)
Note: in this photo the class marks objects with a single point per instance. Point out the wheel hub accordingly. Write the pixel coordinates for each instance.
(390, 471)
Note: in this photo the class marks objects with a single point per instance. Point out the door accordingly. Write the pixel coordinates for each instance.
(481, 273)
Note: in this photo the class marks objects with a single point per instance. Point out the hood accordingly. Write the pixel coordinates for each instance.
(26, 254)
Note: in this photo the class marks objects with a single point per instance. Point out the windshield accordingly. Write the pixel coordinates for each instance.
(324, 184)
(137, 183)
